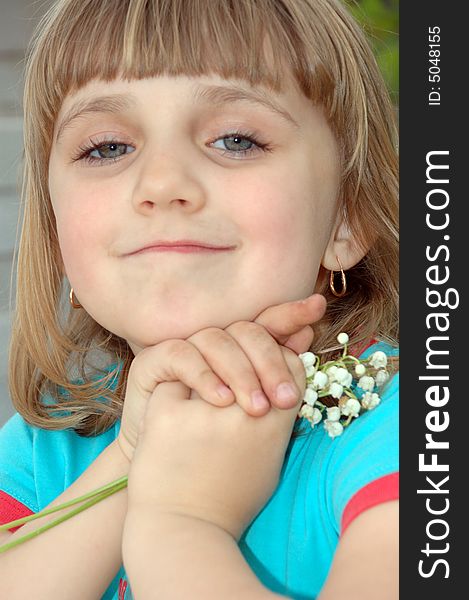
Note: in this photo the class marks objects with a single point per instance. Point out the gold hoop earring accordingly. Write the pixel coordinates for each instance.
(73, 301)
(344, 282)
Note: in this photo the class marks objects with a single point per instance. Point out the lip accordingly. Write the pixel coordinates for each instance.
(182, 247)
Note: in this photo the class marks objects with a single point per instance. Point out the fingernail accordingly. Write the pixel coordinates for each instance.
(259, 400)
(224, 392)
(287, 394)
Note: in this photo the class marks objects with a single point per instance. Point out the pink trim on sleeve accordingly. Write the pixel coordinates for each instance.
(381, 490)
(11, 509)
(123, 584)
(358, 349)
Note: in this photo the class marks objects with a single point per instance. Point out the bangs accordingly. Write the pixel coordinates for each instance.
(136, 39)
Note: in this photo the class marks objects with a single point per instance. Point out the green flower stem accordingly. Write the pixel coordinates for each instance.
(122, 482)
(91, 498)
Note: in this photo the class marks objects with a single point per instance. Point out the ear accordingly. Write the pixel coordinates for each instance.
(343, 245)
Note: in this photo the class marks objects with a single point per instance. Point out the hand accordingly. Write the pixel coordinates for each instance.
(195, 460)
(288, 323)
(218, 366)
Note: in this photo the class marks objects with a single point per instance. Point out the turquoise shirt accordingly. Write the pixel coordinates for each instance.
(291, 543)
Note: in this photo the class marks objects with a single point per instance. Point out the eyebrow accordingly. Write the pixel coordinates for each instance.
(217, 95)
(113, 104)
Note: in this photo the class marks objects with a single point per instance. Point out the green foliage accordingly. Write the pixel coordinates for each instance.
(380, 21)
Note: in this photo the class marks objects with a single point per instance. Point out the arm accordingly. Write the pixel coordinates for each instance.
(178, 557)
(78, 559)
(199, 476)
(365, 566)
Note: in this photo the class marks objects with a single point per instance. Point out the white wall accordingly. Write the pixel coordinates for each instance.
(17, 20)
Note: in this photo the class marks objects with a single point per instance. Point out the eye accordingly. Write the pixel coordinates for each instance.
(105, 151)
(240, 143)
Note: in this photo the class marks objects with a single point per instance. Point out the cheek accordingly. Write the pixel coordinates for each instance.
(288, 217)
(84, 222)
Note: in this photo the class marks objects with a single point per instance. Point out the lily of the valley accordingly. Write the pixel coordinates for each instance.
(335, 380)
(370, 400)
(333, 428)
(351, 408)
(367, 383)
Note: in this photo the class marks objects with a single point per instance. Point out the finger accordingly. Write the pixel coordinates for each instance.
(230, 362)
(267, 359)
(296, 368)
(170, 390)
(301, 341)
(177, 360)
(285, 320)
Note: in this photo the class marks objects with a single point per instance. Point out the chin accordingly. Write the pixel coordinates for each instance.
(146, 330)
(144, 337)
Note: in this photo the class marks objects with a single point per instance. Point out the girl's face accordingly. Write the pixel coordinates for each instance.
(203, 202)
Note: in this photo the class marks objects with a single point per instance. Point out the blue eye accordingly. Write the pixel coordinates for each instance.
(104, 152)
(107, 151)
(241, 144)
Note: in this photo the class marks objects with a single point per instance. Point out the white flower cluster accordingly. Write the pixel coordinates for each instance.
(335, 379)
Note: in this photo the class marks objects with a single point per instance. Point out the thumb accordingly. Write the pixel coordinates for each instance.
(301, 341)
(283, 321)
(164, 393)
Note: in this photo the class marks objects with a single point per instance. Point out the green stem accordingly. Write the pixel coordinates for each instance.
(351, 359)
(118, 483)
(348, 421)
(61, 519)
(328, 364)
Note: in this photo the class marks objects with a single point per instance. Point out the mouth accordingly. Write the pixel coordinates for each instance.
(181, 247)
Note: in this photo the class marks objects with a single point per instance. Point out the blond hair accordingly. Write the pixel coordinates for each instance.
(79, 40)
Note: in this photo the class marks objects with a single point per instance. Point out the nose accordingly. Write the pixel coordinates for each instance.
(165, 182)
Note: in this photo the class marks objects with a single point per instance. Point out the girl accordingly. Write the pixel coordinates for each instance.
(193, 168)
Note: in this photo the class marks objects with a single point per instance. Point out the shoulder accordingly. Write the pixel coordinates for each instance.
(19, 435)
(17, 441)
(364, 461)
(36, 465)
(360, 467)
(16, 433)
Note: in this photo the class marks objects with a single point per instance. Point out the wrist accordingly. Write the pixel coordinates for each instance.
(157, 547)
(168, 522)
(166, 518)
(125, 449)
(167, 533)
